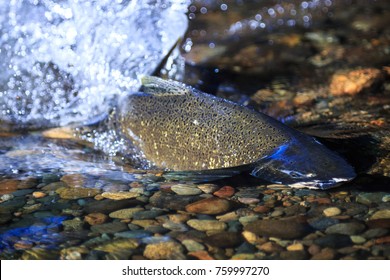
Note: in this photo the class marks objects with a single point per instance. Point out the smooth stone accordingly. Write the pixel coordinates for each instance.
(248, 200)
(248, 219)
(165, 200)
(107, 206)
(352, 228)
(381, 214)
(334, 241)
(290, 228)
(50, 178)
(353, 209)
(375, 232)
(28, 183)
(271, 247)
(125, 213)
(175, 226)
(322, 223)
(76, 193)
(370, 198)
(331, 211)
(149, 214)
(5, 217)
(386, 198)
(119, 195)
(201, 255)
(246, 248)
(225, 192)
(207, 225)
(277, 213)
(54, 186)
(243, 256)
(96, 218)
(192, 245)
(184, 189)
(325, 254)
(118, 245)
(164, 251)
(295, 247)
(6, 197)
(22, 192)
(208, 188)
(8, 186)
(74, 180)
(379, 223)
(38, 194)
(357, 239)
(109, 227)
(40, 254)
(224, 239)
(137, 234)
(231, 216)
(209, 206)
(145, 223)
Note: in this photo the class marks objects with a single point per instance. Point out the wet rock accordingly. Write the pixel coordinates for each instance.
(231, 216)
(352, 228)
(225, 192)
(145, 223)
(54, 186)
(95, 218)
(149, 214)
(74, 180)
(356, 209)
(381, 214)
(171, 201)
(201, 255)
(134, 234)
(354, 82)
(192, 245)
(224, 239)
(125, 213)
(261, 209)
(290, 228)
(164, 251)
(38, 194)
(5, 217)
(314, 249)
(119, 195)
(73, 253)
(334, 241)
(331, 211)
(322, 223)
(357, 239)
(8, 186)
(185, 189)
(113, 227)
(244, 257)
(175, 226)
(271, 247)
(206, 225)
(208, 188)
(210, 206)
(367, 198)
(73, 225)
(107, 206)
(379, 223)
(118, 245)
(325, 254)
(40, 254)
(248, 200)
(375, 232)
(76, 193)
(295, 247)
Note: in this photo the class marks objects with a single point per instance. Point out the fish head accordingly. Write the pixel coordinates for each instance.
(304, 163)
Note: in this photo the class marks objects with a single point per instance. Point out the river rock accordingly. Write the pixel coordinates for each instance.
(208, 188)
(325, 254)
(146, 215)
(352, 228)
(185, 189)
(210, 206)
(207, 225)
(322, 223)
(290, 228)
(164, 251)
(367, 198)
(334, 241)
(76, 193)
(332, 211)
(381, 214)
(125, 213)
(109, 227)
(107, 206)
(224, 239)
(116, 245)
(8, 186)
(225, 192)
(119, 195)
(74, 180)
(192, 245)
(73, 225)
(96, 218)
(171, 201)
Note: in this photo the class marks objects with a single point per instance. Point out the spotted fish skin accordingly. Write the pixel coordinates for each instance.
(180, 128)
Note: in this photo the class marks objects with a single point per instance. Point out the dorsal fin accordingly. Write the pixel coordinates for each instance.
(161, 87)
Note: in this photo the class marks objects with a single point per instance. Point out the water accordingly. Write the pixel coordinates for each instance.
(64, 61)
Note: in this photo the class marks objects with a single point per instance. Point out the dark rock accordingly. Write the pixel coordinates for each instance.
(325, 254)
(171, 201)
(107, 206)
(290, 228)
(352, 228)
(224, 239)
(145, 215)
(375, 232)
(246, 248)
(334, 241)
(109, 227)
(322, 223)
(295, 210)
(356, 209)
(370, 198)
(379, 223)
(294, 255)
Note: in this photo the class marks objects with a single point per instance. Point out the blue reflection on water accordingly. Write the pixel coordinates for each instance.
(41, 235)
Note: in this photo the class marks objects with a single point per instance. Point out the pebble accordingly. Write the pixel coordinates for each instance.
(118, 245)
(231, 216)
(322, 223)
(165, 200)
(107, 206)
(354, 82)
(367, 198)
(137, 234)
(290, 228)
(113, 227)
(201, 255)
(271, 247)
(40, 254)
(185, 189)
(334, 241)
(76, 193)
(261, 209)
(295, 247)
(208, 188)
(6, 197)
(149, 214)
(192, 245)
(38, 194)
(119, 195)
(95, 218)
(381, 214)
(209, 206)
(357, 239)
(325, 254)
(125, 213)
(251, 238)
(74, 180)
(351, 228)
(8, 186)
(54, 186)
(164, 251)
(332, 211)
(145, 223)
(224, 239)
(175, 226)
(75, 224)
(277, 213)
(207, 225)
(225, 192)
(375, 232)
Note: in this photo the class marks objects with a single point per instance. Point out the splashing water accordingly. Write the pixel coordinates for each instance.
(64, 61)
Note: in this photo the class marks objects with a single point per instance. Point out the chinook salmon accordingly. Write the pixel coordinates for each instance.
(181, 129)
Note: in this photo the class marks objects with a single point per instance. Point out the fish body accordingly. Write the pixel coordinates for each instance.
(182, 129)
